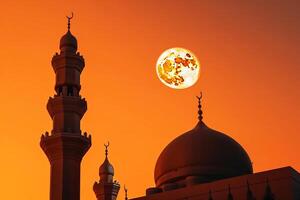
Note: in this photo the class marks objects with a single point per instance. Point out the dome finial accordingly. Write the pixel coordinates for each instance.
(106, 149)
(69, 20)
(199, 107)
(126, 194)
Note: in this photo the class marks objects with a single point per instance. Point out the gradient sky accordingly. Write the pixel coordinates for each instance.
(250, 78)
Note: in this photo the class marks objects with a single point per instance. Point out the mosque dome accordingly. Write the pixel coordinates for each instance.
(68, 43)
(201, 155)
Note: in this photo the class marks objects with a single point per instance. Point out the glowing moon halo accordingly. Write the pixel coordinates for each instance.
(178, 68)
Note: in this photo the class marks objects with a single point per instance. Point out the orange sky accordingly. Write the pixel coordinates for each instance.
(250, 81)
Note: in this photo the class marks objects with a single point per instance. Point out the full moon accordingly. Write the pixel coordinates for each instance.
(178, 68)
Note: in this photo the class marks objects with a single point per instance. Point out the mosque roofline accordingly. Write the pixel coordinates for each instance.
(283, 174)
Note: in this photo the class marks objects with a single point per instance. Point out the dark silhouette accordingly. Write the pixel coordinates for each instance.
(126, 192)
(210, 195)
(199, 107)
(200, 164)
(200, 155)
(66, 146)
(229, 195)
(206, 164)
(249, 192)
(106, 188)
(268, 192)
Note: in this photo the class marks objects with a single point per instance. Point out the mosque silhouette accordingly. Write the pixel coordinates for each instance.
(201, 164)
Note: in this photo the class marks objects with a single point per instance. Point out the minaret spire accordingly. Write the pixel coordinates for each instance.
(199, 107)
(69, 21)
(106, 149)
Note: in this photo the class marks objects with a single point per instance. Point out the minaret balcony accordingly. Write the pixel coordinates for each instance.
(66, 104)
(65, 146)
(67, 61)
(105, 190)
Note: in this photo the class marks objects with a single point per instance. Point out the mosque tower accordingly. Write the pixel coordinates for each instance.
(66, 145)
(107, 188)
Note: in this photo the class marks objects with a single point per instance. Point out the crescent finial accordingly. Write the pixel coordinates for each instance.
(72, 15)
(69, 19)
(199, 97)
(199, 107)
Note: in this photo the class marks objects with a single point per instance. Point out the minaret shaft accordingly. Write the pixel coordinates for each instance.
(65, 171)
(65, 152)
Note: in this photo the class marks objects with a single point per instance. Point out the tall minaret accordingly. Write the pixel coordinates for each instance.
(107, 188)
(66, 146)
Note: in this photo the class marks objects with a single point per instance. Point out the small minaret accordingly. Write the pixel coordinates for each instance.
(106, 188)
(66, 145)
